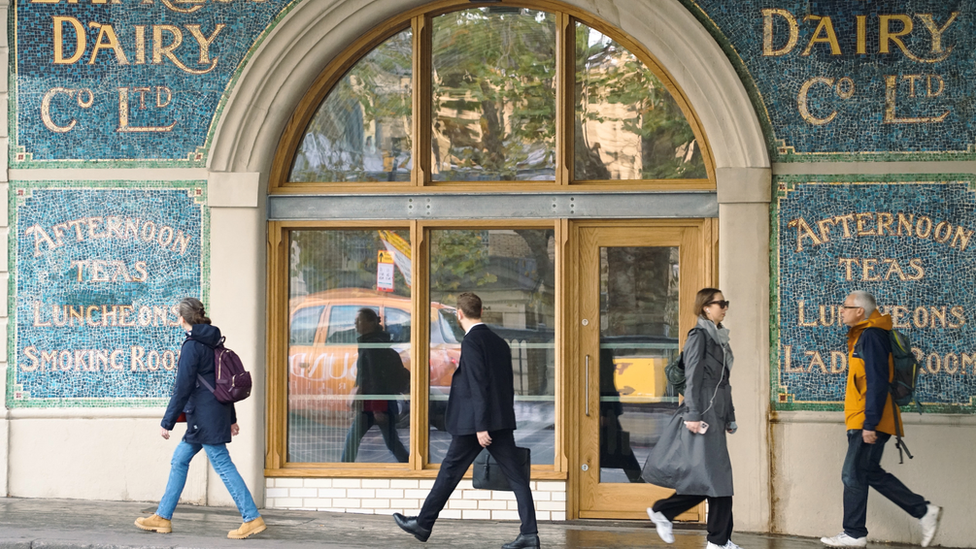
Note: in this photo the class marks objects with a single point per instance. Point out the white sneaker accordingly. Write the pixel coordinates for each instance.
(662, 524)
(930, 524)
(730, 545)
(843, 540)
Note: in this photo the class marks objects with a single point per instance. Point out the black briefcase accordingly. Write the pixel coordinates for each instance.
(488, 473)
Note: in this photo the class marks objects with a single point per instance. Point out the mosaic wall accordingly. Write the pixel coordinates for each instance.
(99, 268)
(836, 79)
(126, 81)
(911, 244)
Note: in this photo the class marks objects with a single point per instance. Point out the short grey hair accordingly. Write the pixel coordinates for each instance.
(865, 301)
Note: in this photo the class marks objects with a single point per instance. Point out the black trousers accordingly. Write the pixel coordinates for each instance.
(719, 513)
(460, 456)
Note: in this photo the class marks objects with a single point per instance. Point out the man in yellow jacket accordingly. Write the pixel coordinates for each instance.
(870, 417)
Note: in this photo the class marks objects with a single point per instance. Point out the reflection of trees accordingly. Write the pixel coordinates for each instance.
(641, 292)
(458, 262)
(611, 80)
(493, 107)
(494, 94)
(368, 111)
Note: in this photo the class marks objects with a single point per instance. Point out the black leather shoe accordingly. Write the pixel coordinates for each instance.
(524, 541)
(410, 525)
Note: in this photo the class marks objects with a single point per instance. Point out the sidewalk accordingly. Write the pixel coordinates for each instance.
(69, 524)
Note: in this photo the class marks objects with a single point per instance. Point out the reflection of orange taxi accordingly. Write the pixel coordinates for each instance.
(322, 349)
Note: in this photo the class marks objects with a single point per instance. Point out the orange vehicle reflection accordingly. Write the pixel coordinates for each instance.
(323, 348)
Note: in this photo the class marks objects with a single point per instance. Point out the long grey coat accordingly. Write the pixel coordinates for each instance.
(690, 463)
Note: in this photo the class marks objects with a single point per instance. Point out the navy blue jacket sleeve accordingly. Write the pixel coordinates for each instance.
(478, 378)
(875, 349)
(186, 382)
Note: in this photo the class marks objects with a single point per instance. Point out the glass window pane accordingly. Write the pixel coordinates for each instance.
(304, 325)
(397, 322)
(362, 131)
(638, 337)
(627, 124)
(494, 98)
(513, 273)
(348, 366)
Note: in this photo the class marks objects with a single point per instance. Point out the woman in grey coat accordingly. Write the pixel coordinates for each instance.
(691, 457)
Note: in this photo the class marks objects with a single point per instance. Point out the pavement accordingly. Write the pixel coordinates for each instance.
(84, 524)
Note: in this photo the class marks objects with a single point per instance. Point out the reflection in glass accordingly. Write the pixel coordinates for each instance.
(638, 337)
(627, 124)
(513, 273)
(494, 99)
(349, 348)
(362, 131)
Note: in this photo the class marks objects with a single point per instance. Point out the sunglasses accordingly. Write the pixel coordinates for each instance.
(724, 303)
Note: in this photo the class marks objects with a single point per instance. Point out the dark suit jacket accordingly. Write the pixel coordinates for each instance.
(482, 390)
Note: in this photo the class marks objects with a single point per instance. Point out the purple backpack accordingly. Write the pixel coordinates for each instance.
(233, 381)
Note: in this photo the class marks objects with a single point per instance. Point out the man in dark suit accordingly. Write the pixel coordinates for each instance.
(480, 414)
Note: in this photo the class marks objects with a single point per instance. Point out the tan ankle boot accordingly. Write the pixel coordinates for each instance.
(248, 529)
(155, 523)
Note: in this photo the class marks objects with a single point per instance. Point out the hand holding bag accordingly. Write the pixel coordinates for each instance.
(488, 474)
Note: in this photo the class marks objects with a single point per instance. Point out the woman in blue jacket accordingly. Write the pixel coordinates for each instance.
(209, 426)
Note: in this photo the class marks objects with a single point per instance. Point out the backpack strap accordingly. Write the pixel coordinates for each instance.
(899, 443)
(205, 384)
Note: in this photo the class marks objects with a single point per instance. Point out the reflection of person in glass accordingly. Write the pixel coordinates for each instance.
(380, 372)
(692, 457)
(615, 450)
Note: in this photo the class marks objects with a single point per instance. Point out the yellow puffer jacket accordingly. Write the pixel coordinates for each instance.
(855, 400)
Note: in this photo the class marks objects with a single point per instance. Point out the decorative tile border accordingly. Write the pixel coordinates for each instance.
(909, 242)
(97, 270)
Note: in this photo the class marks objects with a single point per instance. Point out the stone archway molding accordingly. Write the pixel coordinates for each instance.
(314, 32)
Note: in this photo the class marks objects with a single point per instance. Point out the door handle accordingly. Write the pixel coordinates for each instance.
(586, 386)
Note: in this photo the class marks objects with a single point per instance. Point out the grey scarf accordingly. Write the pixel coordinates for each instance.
(719, 335)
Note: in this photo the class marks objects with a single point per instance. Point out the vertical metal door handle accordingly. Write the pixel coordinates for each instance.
(586, 386)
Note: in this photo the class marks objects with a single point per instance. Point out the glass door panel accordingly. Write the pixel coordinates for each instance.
(638, 337)
(636, 286)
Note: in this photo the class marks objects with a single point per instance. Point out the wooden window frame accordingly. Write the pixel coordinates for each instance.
(276, 464)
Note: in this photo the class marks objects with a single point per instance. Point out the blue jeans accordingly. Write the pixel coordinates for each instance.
(220, 460)
(862, 469)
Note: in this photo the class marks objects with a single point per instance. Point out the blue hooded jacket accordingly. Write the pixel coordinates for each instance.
(207, 420)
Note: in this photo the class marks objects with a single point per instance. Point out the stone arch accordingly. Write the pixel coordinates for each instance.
(295, 52)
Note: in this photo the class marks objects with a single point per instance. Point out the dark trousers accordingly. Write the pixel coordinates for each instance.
(862, 469)
(363, 421)
(719, 513)
(460, 456)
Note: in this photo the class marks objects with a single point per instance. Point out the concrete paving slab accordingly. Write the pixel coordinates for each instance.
(83, 524)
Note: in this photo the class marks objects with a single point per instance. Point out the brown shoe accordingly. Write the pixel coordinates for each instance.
(155, 523)
(248, 529)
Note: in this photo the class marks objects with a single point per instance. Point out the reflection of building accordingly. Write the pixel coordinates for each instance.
(719, 180)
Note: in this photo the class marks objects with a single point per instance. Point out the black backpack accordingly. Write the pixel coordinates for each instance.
(675, 371)
(906, 370)
(902, 387)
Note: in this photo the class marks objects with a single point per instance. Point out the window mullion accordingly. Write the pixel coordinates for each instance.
(419, 347)
(565, 66)
(421, 100)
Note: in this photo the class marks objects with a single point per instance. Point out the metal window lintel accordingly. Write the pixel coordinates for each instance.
(550, 205)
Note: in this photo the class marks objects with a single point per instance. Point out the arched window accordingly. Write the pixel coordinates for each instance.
(506, 94)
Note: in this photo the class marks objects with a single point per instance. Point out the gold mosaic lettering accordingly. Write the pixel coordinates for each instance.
(825, 27)
(794, 32)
